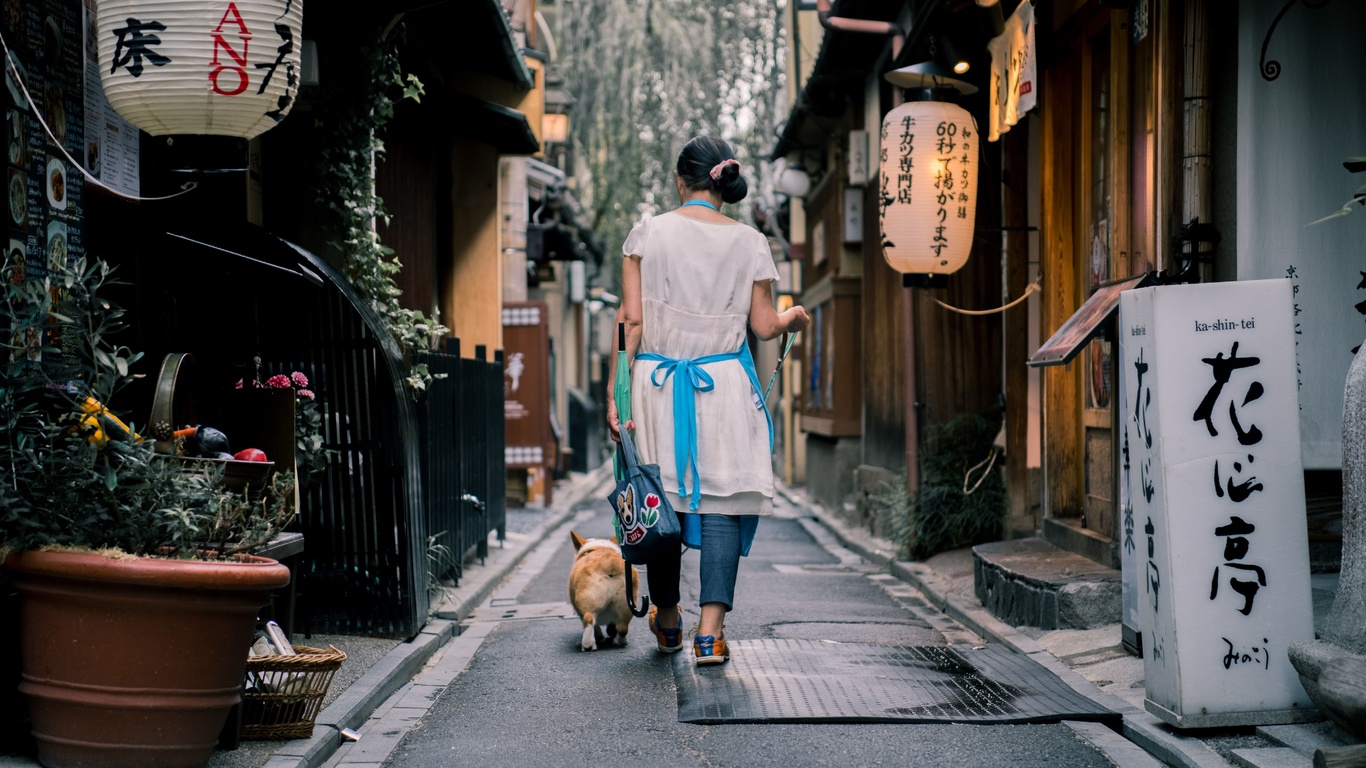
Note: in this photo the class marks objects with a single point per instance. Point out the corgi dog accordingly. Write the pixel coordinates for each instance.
(597, 590)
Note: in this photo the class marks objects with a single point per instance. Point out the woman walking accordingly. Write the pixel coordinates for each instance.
(692, 280)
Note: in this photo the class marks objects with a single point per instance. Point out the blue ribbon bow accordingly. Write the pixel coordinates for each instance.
(688, 379)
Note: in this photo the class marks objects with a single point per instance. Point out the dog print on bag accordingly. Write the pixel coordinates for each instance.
(632, 523)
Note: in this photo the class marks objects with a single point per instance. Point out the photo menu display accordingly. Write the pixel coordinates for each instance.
(112, 152)
(44, 115)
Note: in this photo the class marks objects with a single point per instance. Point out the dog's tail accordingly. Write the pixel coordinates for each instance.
(631, 595)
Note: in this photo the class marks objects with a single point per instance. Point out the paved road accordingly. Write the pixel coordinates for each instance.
(530, 697)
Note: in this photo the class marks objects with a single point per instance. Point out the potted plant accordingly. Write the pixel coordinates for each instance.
(138, 592)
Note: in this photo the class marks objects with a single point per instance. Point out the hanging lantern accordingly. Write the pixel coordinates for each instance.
(200, 67)
(927, 196)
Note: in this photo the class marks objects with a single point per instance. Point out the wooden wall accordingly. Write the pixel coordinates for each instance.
(1064, 462)
(472, 279)
(884, 363)
(408, 180)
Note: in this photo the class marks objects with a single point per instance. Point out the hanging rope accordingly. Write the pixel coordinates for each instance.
(12, 70)
(991, 457)
(1032, 287)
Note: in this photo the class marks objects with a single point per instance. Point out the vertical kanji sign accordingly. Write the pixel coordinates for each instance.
(1214, 538)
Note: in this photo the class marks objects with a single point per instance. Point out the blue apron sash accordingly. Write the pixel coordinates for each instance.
(688, 379)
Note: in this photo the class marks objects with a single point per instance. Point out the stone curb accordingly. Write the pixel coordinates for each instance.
(1140, 728)
(354, 706)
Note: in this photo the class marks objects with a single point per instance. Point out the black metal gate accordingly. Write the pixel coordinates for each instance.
(402, 464)
(462, 454)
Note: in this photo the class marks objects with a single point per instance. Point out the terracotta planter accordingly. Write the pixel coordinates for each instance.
(134, 662)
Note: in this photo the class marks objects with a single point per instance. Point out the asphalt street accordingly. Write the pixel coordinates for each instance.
(527, 696)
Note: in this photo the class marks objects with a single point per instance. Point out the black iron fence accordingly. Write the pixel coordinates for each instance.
(408, 474)
(461, 420)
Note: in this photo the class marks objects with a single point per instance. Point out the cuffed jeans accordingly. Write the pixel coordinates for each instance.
(719, 565)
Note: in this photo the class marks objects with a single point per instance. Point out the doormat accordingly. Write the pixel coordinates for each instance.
(792, 681)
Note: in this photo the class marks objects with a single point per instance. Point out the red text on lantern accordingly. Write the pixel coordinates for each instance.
(235, 82)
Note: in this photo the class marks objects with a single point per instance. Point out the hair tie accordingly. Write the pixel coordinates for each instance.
(716, 169)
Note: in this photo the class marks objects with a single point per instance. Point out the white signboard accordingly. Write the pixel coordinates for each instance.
(1013, 71)
(1211, 418)
(1297, 124)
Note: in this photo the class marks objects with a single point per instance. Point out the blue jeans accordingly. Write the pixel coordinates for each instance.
(720, 562)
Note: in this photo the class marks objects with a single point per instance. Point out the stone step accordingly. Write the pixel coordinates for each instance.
(1030, 582)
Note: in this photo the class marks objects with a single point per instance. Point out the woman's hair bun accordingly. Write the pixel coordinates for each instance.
(705, 153)
(732, 184)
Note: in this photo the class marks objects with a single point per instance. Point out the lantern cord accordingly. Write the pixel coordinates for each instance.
(990, 461)
(12, 70)
(1032, 287)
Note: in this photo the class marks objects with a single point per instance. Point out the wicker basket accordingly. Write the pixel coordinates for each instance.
(285, 693)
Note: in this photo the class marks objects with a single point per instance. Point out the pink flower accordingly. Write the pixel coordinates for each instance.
(299, 379)
(306, 394)
(278, 381)
(239, 383)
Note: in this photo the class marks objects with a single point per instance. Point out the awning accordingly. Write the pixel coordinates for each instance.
(1087, 322)
(841, 65)
(502, 128)
(473, 35)
(554, 232)
(542, 176)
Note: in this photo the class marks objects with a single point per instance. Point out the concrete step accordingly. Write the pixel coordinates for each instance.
(1029, 582)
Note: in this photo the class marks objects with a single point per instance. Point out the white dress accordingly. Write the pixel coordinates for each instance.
(697, 279)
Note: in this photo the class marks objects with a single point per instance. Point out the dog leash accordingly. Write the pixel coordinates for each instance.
(787, 345)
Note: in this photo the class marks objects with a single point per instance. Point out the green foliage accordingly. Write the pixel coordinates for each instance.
(1355, 165)
(351, 119)
(70, 474)
(440, 560)
(679, 69)
(951, 508)
(310, 456)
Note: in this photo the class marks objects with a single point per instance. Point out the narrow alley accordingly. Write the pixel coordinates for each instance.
(514, 688)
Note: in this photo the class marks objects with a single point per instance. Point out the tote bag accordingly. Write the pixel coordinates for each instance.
(645, 522)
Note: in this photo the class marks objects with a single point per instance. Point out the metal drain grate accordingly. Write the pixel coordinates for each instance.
(504, 611)
(814, 681)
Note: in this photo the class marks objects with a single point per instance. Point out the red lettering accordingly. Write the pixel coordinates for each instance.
(237, 17)
(241, 80)
(219, 43)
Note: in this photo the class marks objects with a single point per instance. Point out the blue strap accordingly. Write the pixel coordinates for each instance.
(701, 202)
(689, 378)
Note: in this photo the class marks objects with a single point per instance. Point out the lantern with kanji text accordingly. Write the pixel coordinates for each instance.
(927, 188)
(199, 67)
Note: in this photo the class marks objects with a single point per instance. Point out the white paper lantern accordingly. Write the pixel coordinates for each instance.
(200, 67)
(927, 195)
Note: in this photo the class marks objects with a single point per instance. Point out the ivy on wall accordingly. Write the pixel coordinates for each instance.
(351, 119)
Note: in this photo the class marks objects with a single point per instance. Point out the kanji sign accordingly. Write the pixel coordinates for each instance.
(1214, 542)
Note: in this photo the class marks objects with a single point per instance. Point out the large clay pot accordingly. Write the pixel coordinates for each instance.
(134, 662)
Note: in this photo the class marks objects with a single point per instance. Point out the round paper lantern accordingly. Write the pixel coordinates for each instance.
(927, 198)
(197, 67)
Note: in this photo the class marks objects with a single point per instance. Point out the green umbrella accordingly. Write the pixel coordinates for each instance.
(621, 392)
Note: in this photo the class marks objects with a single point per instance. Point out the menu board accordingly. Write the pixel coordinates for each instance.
(44, 200)
(111, 143)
